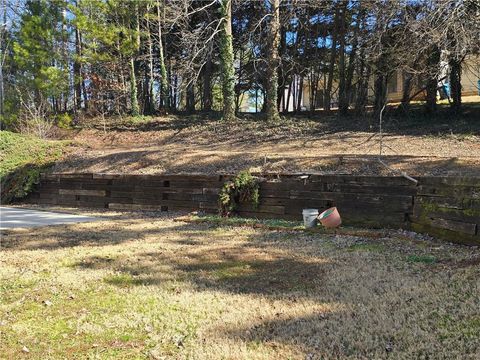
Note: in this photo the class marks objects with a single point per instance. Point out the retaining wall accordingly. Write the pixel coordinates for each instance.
(448, 208)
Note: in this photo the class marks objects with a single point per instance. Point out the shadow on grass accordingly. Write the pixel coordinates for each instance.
(93, 234)
(270, 266)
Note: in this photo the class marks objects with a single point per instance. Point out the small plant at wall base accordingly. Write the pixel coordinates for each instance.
(244, 188)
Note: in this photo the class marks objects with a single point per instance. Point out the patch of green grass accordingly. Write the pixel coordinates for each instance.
(426, 259)
(466, 328)
(22, 159)
(122, 279)
(231, 269)
(274, 223)
(140, 119)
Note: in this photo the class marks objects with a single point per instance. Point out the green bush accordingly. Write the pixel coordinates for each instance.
(64, 121)
(244, 188)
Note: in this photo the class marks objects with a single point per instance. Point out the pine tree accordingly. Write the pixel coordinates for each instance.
(37, 54)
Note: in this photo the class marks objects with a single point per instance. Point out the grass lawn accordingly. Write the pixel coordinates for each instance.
(138, 286)
(22, 158)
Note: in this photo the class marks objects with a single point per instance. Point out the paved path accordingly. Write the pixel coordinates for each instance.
(11, 218)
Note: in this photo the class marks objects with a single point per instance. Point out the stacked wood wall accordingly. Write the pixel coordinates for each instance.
(445, 207)
(448, 208)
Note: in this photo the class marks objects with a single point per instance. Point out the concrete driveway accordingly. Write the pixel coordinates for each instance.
(12, 218)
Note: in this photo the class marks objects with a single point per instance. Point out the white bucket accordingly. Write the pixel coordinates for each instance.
(310, 217)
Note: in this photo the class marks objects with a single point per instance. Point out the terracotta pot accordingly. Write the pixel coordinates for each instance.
(330, 218)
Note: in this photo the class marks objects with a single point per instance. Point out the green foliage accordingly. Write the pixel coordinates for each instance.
(22, 159)
(426, 259)
(37, 48)
(64, 121)
(139, 119)
(244, 188)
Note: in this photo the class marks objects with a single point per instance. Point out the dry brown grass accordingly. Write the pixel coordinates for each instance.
(323, 143)
(149, 287)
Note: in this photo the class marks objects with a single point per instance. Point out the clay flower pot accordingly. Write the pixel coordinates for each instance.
(330, 218)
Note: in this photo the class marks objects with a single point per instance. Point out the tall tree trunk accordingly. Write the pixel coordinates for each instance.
(313, 91)
(151, 94)
(342, 86)
(299, 95)
(77, 71)
(65, 61)
(133, 79)
(455, 84)
(273, 61)
(281, 73)
(351, 64)
(83, 82)
(333, 55)
(226, 57)
(190, 98)
(207, 85)
(380, 89)
(164, 83)
(432, 81)
(133, 90)
(406, 90)
(286, 101)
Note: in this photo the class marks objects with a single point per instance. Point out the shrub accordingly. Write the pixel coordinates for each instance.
(244, 188)
(64, 121)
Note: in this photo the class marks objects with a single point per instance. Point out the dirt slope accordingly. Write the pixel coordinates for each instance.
(179, 145)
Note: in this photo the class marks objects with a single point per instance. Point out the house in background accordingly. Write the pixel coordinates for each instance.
(470, 81)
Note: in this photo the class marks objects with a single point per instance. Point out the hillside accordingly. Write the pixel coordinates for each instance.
(22, 159)
(195, 144)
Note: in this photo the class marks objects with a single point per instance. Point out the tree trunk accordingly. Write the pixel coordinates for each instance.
(299, 95)
(407, 89)
(207, 85)
(84, 86)
(380, 88)
(273, 62)
(455, 84)
(164, 83)
(151, 94)
(351, 65)
(342, 85)
(286, 101)
(432, 81)
(190, 98)
(77, 72)
(281, 73)
(226, 59)
(333, 55)
(313, 91)
(133, 90)
(362, 89)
